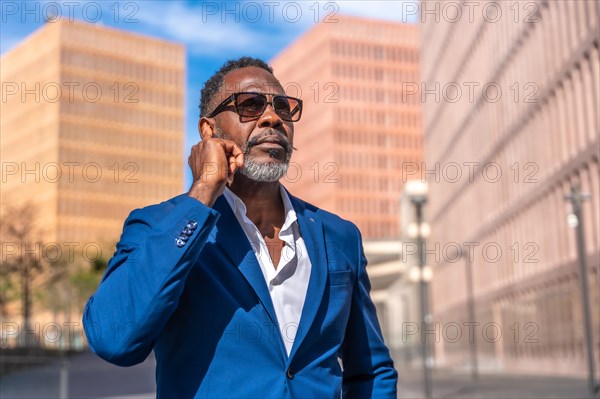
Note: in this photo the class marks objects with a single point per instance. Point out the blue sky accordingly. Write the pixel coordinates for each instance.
(211, 31)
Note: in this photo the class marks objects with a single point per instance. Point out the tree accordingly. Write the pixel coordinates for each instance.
(85, 280)
(22, 259)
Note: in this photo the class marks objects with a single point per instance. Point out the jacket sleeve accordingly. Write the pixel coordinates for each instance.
(368, 370)
(145, 279)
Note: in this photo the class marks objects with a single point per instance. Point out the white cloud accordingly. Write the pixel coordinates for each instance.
(203, 29)
(395, 10)
(220, 27)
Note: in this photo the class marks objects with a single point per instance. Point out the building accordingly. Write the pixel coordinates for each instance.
(511, 120)
(92, 127)
(356, 132)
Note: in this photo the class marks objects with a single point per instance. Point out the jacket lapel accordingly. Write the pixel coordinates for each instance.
(314, 239)
(233, 241)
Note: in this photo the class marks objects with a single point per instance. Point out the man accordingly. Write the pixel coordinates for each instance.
(241, 289)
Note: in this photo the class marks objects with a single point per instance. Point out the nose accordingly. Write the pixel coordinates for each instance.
(269, 117)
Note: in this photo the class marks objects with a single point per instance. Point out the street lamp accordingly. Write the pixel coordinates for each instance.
(416, 191)
(575, 220)
(471, 313)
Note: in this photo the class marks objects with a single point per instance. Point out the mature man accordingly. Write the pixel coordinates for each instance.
(241, 289)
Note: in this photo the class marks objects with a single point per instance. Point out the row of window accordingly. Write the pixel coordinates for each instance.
(374, 51)
(375, 31)
(126, 114)
(127, 68)
(118, 206)
(149, 142)
(367, 160)
(406, 119)
(375, 73)
(123, 44)
(363, 137)
(109, 170)
(408, 95)
(391, 183)
(89, 88)
(368, 206)
(372, 229)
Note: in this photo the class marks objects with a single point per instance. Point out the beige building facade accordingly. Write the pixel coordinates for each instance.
(511, 121)
(92, 127)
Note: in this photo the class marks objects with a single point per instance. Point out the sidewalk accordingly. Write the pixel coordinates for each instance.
(449, 385)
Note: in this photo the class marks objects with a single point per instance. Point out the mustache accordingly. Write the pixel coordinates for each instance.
(270, 132)
(254, 140)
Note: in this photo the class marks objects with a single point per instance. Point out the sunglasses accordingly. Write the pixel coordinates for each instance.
(252, 105)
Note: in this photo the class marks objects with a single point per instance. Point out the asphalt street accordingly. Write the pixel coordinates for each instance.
(89, 377)
(92, 378)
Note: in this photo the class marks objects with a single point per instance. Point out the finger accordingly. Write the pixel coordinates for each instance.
(238, 156)
(229, 181)
(235, 163)
(235, 156)
(229, 146)
(236, 153)
(192, 152)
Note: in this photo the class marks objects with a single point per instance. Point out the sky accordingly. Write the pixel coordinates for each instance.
(211, 31)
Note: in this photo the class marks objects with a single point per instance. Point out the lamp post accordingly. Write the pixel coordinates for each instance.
(417, 193)
(471, 312)
(575, 221)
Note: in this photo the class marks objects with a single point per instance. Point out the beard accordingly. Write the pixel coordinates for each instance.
(264, 172)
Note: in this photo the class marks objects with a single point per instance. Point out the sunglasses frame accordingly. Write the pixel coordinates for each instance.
(234, 97)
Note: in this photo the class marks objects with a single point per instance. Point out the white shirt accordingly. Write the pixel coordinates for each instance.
(288, 283)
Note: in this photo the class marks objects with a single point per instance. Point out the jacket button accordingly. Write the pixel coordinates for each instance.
(192, 224)
(290, 373)
(179, 242)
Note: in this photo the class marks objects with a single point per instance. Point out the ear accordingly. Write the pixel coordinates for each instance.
(206, 127)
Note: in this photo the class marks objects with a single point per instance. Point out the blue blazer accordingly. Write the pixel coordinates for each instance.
(203, 306)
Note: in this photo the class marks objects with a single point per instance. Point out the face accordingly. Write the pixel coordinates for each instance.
(267, 140)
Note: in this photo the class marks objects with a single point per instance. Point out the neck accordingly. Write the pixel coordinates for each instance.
(263, 200)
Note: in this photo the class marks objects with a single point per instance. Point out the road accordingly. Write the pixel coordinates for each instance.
(89, 377)
(92, 378)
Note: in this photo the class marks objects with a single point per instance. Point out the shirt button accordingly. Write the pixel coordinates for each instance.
(290, 373)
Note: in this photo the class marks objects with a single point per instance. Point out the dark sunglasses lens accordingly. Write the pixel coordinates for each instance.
(251, 104)
(286, 107)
